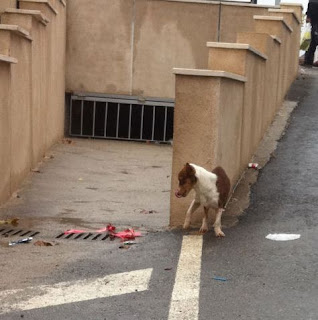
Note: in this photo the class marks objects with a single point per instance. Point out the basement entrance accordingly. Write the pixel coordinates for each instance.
(121, 118)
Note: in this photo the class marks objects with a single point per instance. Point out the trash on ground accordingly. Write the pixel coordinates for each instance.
(67, 141)
(124, 246)
(49, 157)
(253, 165)
(41, 243)
(25, 240)
(126, 234)
(80, 179)
(36, 169)
(129, 243)
(282, 236)
(14, 221)
(144, 211)
(220, 279)
(85, 231)
(168, 269)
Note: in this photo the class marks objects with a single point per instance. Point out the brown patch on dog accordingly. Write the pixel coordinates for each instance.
(187, 180)
(223, 185)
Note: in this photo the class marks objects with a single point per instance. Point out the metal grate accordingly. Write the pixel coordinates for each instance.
(7, 232)
(83, 236)
(121, 118)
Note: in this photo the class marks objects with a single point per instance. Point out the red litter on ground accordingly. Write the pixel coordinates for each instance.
(127, 234)
(124, 235)
(253, 166)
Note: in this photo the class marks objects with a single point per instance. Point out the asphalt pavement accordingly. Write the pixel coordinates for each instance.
(243, 276)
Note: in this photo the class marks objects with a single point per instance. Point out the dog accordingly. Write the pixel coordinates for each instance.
(211, 190)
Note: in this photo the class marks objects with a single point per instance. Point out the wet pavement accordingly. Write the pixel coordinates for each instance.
(265, 279)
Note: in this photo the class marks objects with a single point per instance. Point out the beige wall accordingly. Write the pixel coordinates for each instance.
(231, 135)
(237, 18)
(35, 97)
(4, 4)
(99, 46)
(20, 108)
(134, 44)
(133, 48)
(205, 117)
(167, 35)
(5, 128)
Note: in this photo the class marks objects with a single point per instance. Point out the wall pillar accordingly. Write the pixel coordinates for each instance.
(205, 115)
(244, 60)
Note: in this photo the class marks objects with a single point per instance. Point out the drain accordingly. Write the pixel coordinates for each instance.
(7, 232)
(83, 236)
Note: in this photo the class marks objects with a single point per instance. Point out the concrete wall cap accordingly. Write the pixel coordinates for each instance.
(291, 4)
(273, 18)
(240, 46)
(47, 2)
(194, 1)
(277, 39)
(17, 30)
(242, 4)
(37, 14)
(286, 11)
(208, 73)
(8, 59)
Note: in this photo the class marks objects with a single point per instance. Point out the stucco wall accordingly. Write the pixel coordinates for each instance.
(205, 117)
(5, 128)
(133, 45)
(4, 4)
(33, 106)
(167, 35)
(20, 107)
(238, 18)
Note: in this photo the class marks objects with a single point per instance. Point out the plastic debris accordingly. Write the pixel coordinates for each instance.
(144, 211)
(220, 279)
(25, 240)
(253, 165)
(14, 221)
(126, 234)
(129, 243)
(85, 231)
(282, 236)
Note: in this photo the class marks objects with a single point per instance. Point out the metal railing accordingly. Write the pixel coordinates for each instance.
(121, 118)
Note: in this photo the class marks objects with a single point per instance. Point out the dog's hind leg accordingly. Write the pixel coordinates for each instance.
(204, 228)
(193, 206)
(217, 223)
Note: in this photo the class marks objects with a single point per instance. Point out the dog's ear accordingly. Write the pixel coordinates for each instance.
(190, 170)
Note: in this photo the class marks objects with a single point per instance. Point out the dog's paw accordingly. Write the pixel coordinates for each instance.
(203, 229)
(186, 225)
(219, 233)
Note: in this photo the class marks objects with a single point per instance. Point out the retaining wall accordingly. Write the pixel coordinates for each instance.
(32, 77)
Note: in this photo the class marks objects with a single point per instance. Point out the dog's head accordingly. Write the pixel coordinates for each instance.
(187, 180)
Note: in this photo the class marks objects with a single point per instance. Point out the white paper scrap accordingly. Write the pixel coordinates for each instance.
(282, 236)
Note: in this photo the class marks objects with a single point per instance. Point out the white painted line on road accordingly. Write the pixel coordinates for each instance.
(75, 291)
(185, 295)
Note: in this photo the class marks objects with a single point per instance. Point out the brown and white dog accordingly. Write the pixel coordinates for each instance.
(211, 190)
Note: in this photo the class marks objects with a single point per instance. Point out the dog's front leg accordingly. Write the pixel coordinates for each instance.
(217, 223)
(204, 228)
(193, 206)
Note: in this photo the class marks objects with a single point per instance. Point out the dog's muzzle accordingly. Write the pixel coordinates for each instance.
(178, 195)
